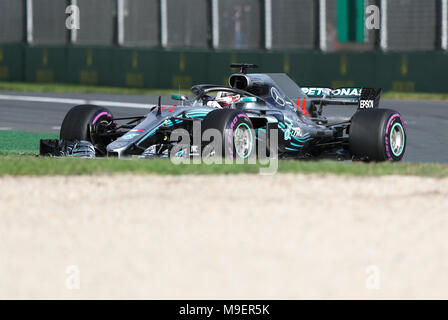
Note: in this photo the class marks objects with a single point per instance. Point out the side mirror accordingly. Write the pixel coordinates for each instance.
(179, 97)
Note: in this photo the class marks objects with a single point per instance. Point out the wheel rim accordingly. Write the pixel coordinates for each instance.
(397, 139)
(242, 139)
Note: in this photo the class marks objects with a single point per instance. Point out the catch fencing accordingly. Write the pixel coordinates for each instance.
(325, 25)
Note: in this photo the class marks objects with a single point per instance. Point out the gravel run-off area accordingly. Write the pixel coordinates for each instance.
(286, 236)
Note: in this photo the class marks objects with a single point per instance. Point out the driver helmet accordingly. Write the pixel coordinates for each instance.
(224, 100)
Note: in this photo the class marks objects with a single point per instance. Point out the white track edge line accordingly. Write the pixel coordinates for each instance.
(74, 101)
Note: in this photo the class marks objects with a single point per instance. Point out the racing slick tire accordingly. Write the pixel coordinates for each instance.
(75, 126)
(377, 135)
(237, 133)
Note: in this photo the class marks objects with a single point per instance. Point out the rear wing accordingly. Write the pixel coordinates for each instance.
(365, 98)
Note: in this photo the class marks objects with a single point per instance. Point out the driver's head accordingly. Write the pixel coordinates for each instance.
(226, 99)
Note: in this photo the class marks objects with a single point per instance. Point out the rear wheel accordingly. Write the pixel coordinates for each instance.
(237, 133)
(77, 123)
(377, 135)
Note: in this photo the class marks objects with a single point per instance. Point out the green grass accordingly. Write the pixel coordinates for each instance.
(25, 143)
(18, 152)
(76, 88)
(31, 166)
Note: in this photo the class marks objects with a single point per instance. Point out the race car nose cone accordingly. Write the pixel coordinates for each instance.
(116, 145)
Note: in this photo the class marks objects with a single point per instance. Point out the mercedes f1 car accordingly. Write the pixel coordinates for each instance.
(268, 110)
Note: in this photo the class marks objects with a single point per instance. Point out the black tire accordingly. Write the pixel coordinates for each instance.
(227, 121)
(377, 135)
(75, 126)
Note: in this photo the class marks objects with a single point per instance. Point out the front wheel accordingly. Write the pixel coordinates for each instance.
(78, 121)
(236, 134)
(377, 135)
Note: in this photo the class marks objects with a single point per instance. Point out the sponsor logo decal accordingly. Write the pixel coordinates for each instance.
(277, 97)
(366, 104)
(350, 92)
(296, 132)
(313, 91)
(342, 92)
(130, 136)
(302, 108)
(169, 108)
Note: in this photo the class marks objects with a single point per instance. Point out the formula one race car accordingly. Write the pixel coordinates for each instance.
(266, 112)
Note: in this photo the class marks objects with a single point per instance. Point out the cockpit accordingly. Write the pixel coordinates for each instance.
(274, 90)
(225, 97)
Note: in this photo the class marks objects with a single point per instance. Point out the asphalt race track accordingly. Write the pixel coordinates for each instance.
(426, 121)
